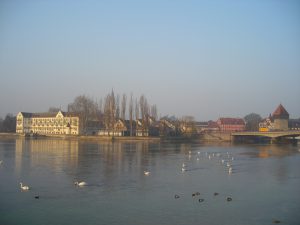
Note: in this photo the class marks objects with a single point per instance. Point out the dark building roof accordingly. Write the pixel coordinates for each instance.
(280, 113)
(48, 114)
(232, 121)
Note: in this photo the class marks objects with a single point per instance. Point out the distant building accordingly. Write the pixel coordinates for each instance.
(208, 126)
(48, 123)
(201, 126)
(294, 124)
(278, 121)
(231, 124)
(213, 126)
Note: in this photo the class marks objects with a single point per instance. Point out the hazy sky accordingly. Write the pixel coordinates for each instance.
(201, 58)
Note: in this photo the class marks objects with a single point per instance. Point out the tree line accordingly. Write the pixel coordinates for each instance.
(8, 124)
(112, 108)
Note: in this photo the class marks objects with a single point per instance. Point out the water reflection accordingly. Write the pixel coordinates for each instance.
(45, 152)
(114, 162)
(263, 177)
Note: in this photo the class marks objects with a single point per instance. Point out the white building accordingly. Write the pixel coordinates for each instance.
(48, 123)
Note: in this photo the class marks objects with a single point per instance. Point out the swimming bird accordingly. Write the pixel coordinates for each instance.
(183, 169)
(230, 170)
(229, 199)
(25, 188)
(176, 196)
(147, 173)
(80, 184)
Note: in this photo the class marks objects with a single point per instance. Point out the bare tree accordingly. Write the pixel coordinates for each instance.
(100, 105)
(8, 124)
(188, 126)
(110, 111)
(106, 112)
(137, 112)
(123, 107)
(144, 109)
(153, 112)
(85, 106)
(130, 109)
(117, 116)
(53, 109)
(112, 107)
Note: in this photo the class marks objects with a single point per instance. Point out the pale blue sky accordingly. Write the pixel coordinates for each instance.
(201, 58)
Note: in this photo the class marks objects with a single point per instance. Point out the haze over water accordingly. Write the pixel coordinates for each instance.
(264, 184)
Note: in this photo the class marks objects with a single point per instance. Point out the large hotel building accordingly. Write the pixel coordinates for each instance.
(48, 123)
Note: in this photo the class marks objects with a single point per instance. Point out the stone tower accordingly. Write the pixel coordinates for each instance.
(281, 118)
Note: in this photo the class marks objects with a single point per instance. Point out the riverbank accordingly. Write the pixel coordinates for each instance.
(211, 137)
(105, 138)
(85, 138)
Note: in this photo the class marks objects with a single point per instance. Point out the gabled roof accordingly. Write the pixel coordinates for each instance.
(280, 112)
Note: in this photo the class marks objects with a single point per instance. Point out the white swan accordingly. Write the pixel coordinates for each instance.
(25, 188)
(80, 184)
(147, 173)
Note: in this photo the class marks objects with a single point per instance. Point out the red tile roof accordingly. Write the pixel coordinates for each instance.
(280, 111)
(232, 121)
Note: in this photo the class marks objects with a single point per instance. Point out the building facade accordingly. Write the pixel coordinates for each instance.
(231, 124)
(60, 123)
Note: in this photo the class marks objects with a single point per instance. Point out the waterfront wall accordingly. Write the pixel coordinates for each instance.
(216, 137)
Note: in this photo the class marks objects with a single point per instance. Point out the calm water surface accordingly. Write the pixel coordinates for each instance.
(264, 184)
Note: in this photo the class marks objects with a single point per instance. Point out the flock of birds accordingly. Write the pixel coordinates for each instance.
(224, 159)
(227, 161)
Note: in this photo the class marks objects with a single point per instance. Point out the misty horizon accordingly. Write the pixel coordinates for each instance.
(202, 59)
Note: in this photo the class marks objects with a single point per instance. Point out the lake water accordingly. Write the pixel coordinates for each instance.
(264, 184)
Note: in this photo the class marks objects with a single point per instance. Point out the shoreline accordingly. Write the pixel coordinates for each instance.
(98, 138)
(209, 138)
